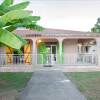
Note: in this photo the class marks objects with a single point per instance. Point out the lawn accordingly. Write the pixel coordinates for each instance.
(87, 82)
(13, 81)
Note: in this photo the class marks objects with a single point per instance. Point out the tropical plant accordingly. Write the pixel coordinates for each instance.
(42, 50)
(13, 17)
(96, 27)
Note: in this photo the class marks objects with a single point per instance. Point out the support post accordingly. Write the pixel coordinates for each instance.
(60, 52)
(98, 51)
(34, 53)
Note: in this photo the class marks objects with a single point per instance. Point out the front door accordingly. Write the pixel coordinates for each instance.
(51, 54)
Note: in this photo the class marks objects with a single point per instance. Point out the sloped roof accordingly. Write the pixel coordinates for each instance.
(50, 32)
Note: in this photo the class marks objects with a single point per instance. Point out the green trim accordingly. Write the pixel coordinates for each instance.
(58, 57)
(60, 53)
(42, 50)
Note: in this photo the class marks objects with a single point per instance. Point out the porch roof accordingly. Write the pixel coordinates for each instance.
(54, 32)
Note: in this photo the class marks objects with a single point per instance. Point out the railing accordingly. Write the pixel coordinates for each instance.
(9, 59)
(80, 59)
(65, 59)
(47, 59)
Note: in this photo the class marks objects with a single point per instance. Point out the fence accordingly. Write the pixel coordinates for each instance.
(80, 59)
(67, 59)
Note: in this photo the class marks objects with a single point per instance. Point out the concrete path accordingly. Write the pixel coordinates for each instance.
(50, 85)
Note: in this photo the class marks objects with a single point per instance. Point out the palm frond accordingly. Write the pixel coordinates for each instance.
(25, 21)
(1, 12)
(19, 6)
(35, 27)
(6, 3)
(21, 39)
(10, 39)
(15, 14)
(13, 17)
(31, 25)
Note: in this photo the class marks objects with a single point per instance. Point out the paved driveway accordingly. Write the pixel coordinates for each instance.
(50, 85)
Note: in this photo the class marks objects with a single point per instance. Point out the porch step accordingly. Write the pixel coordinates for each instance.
(47, 65)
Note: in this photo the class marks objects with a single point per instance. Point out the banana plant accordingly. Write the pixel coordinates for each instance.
(13, 17)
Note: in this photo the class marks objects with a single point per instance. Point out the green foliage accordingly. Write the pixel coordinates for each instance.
(19, 6)
(42, 51)
(10, 39)
(7, 6)
(22, 40)
(18, 52)
(36, 27)
(1, 44)
(13, 17)
(29, 22)
(6, 3)
(96, 27)
(41, 47)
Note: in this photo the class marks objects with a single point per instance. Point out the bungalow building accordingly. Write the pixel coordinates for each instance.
(55, 47)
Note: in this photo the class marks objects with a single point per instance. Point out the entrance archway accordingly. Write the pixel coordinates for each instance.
(47, 51)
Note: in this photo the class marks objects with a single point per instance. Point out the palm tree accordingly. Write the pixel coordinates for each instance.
(13, 17)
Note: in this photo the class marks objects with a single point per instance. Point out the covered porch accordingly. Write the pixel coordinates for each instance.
(79, 52)
(71, 51)
(56, 51)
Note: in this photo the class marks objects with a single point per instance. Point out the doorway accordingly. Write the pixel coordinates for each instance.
(51, 57)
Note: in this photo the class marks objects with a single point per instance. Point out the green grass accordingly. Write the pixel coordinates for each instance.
(87, 82)
(13, 81)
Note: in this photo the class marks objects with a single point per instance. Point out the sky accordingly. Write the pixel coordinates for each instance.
(80, 15)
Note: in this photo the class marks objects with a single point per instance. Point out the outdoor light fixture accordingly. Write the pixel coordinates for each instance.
(39, 41)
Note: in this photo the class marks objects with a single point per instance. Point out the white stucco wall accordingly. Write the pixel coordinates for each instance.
(70, 51)
(70, 46)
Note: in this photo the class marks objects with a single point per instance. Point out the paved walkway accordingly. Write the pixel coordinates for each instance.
(50, 85)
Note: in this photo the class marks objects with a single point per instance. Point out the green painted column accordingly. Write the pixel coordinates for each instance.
(60, 52)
